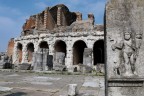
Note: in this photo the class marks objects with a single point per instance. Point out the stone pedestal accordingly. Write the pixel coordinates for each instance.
(125, 87)
(124, 29)
(72, 90)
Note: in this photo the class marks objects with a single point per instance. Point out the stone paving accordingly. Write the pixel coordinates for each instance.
(40, 84)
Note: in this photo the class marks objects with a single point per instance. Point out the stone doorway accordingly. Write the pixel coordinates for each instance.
(30, 50)
(98, 52)
(78, 50)
(19, 48)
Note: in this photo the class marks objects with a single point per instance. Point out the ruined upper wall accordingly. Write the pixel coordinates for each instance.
(58, 19)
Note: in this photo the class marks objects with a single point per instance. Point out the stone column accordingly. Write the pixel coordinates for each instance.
(45, 59)
(15, 55)
(25, 54)
(69, 57)
(90, 44)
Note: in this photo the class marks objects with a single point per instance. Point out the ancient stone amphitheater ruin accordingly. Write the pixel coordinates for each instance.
(59, 39)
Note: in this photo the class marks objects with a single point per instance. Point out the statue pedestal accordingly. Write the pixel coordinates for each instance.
(132, 86)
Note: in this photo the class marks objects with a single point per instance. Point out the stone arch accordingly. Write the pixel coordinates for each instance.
(19, 52)
(30, 50)
(98, 52)
(78, 50)
(59, 52)
(43, 44)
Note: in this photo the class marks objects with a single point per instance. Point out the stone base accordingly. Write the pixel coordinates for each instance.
(59, 67)
(4, 65)
(24, 66)
(85, 69)
(126, 87)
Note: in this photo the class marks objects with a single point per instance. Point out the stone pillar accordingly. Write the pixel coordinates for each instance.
(78, 16)
(72, 90)
(69, 57)
(25, 54)
(45, 59)
(124, 47)
(59, 16)
(15, 55)
(87, 57)
(38, 59)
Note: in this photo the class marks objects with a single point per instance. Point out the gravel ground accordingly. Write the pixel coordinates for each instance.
(38, 84)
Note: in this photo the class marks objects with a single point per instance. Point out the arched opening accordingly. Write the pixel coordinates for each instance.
(30, 49)
(44, 44)
(19, 49)
(60, 52)
(78, 50)
(98, 52)
(60, 46)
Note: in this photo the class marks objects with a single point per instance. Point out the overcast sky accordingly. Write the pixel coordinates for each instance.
(13, 14)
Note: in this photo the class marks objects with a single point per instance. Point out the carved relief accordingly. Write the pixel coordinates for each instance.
(128, 48)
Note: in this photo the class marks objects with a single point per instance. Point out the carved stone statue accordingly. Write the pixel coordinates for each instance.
(129, 52)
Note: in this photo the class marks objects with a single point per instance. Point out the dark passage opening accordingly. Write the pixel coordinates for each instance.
(60, 46)
(78, 50)
(30, 49)
(98, 51)
(43, 45)
(19, 47)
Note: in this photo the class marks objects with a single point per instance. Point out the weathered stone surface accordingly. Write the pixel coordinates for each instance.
(5, 61)
(72, 90)
(40, 60)
(59, 61)
(87, 57)
(24, 66)
(124, 46)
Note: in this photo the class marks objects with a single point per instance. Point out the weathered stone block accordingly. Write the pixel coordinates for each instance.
(24, 66)
(72, 90)
(87, 57)
(58, 67)
(85, 69)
